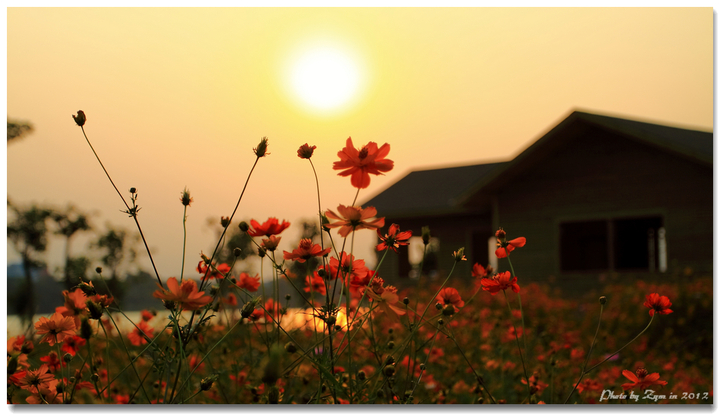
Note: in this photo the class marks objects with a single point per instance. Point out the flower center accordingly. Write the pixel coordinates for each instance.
(363, 153)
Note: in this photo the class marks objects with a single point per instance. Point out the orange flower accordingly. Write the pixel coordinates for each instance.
(74, 305)
(354, 217)
(350, 269)
(305, 251)
(55, 329)
(500, 281)
(641, 379)
(450, 296)
(271, 243)
(72, 343)
(658, 304)
(506, 247)
(316, 283)
(185, 293)
(360, 163)
(393, 239)
(270, 227)
(479, 271)
(215, 273)
(386, 298)
(137, 335)
(251, 284)
(41, 378)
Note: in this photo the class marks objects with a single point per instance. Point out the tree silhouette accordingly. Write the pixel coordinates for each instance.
(117, 246)
(17, 129)
(28, 234)
(70, 223)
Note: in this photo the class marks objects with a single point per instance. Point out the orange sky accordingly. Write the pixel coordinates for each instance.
(179, 97)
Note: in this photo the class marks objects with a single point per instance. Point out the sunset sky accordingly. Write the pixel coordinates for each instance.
(178, 98)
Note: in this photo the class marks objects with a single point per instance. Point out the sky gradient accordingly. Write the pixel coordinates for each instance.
(178, 98)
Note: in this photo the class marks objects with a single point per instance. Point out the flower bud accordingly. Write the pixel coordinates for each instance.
(422, 366)
(12, 365)
(389, 370)
(87, 288)
(290, 347)
(95, 309)
(244, 226)
(98, 270)
(237, 252)
(261, 252)
(80, 118)
(133, 190)
(390, 360)
(274, 395)
(288, 297)
(261, 149)
(441, 321)
(206, 383)
(406, 301)
(500, 234)
(322, 273)
(603, 300)
(224, 221)
(361, 375)
(448, 310)
(185, 198)
(390, 345)
(330, 320)
(247, 309)
(85, 329)
(459, 255)
(426, 235)
(67, 358)
(438, 306)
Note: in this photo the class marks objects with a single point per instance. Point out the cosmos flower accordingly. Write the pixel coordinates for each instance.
(641, 379)
(185, 293)
(360, 163)
(500, 281)
(393, 239)
(658, 304)
(352, 218)
(305, 251)
(269, 227)
(56, 328)
(450, 296)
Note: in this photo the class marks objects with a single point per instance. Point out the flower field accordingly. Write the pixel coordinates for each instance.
(228, 337)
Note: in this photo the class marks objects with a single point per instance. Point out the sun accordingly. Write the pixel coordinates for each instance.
(325, 77)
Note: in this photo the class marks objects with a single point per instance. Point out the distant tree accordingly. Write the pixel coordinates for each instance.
(17, 129)
(28, 233)
(234, 238)
(70, 222)
(118, 247)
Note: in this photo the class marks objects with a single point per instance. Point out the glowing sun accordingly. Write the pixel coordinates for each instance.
(324, 78)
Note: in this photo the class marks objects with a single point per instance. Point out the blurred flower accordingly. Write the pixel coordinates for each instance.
(261, 149)
(245, 281)
(393, 239)
(354, 217)
(216, 272)
(360, 163)
(349, 267)
(658, 304)
(450, 296)
(315, 283)
(71, 344)
(305, 251)
(80, 118)
(137, 335)
(459, 255)
(38, 379)
(505, 247)
(271, 243)
(270, 227)
(185, 197)
(500, 281)
(186, 293)
(641, 379)
(479, 271)
(52, 361)
(56, 328)
(306, 151)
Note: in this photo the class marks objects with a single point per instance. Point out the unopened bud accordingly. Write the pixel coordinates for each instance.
(290, 347)
(224, 221)
(441, 321)
(438, 306)
(261, 149)
(98, 270)
(322, 273)
(237, 252)
(274, 395)
(185, 198)
(389, 370)
(406, 301)
(87, 288)
(206, 383)
(95, 309)
(330, 320)
(133, 190)
(244, 226)
(448, 310)
(361, 375)
(426, 235)
(80, 118)
(390, 360)
(247, 309)
(390, 345)
(422, 366)
(67, 358)
(261, 252)
(288, 297)
(85, 329)
(603, 300)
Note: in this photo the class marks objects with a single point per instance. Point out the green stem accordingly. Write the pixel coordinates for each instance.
(517, 340)
(623, 347)
(587, 358)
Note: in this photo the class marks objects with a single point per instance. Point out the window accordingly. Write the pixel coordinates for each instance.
(613, 244)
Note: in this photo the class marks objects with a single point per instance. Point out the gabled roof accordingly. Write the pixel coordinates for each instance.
(431, 192)
(452, 187)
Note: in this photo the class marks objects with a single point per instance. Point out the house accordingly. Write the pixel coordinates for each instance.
(594, 195)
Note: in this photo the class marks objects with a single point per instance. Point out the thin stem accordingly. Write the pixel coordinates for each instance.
(623, 347)
(587, 358)
(182, 269)
(517, 340)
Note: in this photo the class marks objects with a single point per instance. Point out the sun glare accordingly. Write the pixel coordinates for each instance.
(324, 78)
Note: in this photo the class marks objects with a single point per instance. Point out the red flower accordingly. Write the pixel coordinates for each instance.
(147, 315)
(316, 283)
(55, 329)
(52, 361)
(41, 378)
(657, 304)
(506, 247)
(306, 151)
(393, 239)
(479, 271)
(500, 281)
(186, 293)
(360, 163)
(354, 217)
(271, 243)
(450, 296)
(251, 284)
(72, 343)
(215, 273)
(305, 251)
(270, 227)
(350, 269)
(137, 335)
(641, 379)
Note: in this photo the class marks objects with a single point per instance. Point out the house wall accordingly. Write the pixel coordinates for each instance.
(452, 233)
(597, 176)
